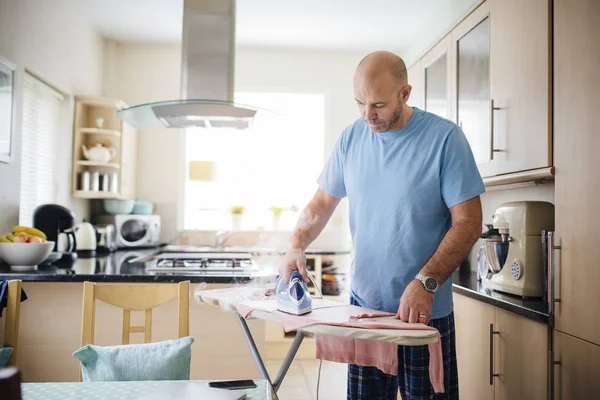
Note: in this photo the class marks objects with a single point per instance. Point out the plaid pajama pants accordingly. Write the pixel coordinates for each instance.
(413, 371)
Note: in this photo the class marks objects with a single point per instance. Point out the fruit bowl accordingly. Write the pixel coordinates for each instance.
(25, 256)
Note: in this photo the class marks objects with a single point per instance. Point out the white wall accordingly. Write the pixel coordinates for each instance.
(145, 73)
(52, 40)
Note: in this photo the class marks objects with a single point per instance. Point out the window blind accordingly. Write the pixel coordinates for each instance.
(41, 114)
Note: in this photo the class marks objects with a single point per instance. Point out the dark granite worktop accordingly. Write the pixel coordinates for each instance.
(466, 283)
(116, 267)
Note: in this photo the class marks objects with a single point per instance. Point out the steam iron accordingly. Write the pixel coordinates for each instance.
(294, 297)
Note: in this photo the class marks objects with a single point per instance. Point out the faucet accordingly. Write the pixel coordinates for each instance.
(222, 237)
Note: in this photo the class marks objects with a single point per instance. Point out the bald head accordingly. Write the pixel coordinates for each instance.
(381, 91)
(382, 62)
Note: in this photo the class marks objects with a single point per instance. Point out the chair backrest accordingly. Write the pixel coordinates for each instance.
(11, 325)
(134, 297)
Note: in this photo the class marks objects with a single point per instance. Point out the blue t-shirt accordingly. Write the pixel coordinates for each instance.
(400, 187)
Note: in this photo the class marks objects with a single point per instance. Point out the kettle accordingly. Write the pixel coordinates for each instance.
(85, 236)
(99, 153)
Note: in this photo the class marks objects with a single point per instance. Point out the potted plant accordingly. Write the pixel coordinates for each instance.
(236, 217)
(276, 216)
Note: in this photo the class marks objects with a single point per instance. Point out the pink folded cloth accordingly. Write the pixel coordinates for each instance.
(365, 352)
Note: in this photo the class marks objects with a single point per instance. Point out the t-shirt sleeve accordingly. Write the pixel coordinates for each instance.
(331, 179)
(459, 176)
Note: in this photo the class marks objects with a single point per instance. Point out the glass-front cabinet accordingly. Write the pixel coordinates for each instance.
(437, 66)
(471, 48)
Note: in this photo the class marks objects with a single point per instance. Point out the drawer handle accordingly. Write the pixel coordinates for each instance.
(551, 366)
(492, 109)
(492, 333)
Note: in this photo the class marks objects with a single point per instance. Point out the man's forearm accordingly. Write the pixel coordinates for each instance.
(310, 224)
(454, 247)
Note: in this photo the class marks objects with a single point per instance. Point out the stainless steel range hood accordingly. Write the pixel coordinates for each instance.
(207, 74)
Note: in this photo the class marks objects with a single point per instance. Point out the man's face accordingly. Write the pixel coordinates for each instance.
(380, 100)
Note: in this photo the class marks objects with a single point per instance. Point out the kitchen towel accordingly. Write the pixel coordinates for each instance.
(4, 295)
(366, 352)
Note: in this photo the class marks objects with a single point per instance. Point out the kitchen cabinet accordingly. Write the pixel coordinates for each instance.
(501, 355)
(521, 357)
(472, 320)
(520, 84)
(415, 79)
(577, 187)
(471, 85)
(96, 124)
(436, 67)
(576, 377)
(501, 85)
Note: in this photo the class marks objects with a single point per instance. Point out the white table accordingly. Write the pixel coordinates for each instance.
(132, 390)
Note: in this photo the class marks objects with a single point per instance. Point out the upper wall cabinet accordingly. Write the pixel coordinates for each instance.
(497, 65)
(520, 84)
(471, 84)
(502, 85)
(436, 66)
(415, 79)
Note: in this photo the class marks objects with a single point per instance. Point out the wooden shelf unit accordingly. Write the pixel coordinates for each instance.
(113, 133)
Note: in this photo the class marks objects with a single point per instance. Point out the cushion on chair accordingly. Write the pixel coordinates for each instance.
(167, 360)
(5, 353)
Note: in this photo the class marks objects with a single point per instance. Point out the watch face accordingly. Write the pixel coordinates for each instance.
(430, 284)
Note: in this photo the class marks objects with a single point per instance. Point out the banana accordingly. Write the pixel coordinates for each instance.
(4, 239)
(29, 231)
(10, 237)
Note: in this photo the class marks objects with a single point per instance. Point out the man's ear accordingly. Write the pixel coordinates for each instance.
(405, 93)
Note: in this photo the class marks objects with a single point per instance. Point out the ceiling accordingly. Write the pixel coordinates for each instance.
(404, 26)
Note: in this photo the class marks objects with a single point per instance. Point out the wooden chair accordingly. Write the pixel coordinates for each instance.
(11, 325)
(134, 297)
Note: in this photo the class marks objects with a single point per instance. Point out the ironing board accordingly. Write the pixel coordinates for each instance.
(226, 299)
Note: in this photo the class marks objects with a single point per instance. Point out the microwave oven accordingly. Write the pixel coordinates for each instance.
(132, 230)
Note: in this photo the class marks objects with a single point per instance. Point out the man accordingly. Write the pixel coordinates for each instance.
(413, 189)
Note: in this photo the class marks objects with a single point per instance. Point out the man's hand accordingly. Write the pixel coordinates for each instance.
(415, 301)
(294, 260)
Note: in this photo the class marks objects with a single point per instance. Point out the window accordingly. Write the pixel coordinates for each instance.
(41, 113)
(275, 163)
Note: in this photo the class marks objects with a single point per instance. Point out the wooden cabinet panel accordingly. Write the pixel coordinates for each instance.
(577, 376)
(521, 358)
(520, 84)
(473, 319)
(577, 187)
(415, 79)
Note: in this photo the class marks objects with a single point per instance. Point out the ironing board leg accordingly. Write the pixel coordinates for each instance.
(255, 354)
(287, 362)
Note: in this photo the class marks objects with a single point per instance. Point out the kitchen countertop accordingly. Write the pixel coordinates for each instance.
(115, 267)
(466, 283)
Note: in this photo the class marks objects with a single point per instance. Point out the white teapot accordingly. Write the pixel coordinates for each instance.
(99, 153)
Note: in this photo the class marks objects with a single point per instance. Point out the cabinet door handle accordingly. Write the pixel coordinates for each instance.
(551, 365)
(492, 333)
(492, 109)
(552, 299)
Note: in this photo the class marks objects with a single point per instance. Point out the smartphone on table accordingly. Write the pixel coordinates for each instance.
(232, 385)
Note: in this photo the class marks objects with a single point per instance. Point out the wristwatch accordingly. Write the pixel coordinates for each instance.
(429, 283)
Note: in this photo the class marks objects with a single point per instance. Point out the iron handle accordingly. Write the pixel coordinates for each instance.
(492, 109)
(552, 299)
(492, 333)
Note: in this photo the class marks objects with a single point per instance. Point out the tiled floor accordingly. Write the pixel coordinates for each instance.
(300, 382)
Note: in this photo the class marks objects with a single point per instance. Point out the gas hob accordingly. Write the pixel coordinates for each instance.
(202, 262)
